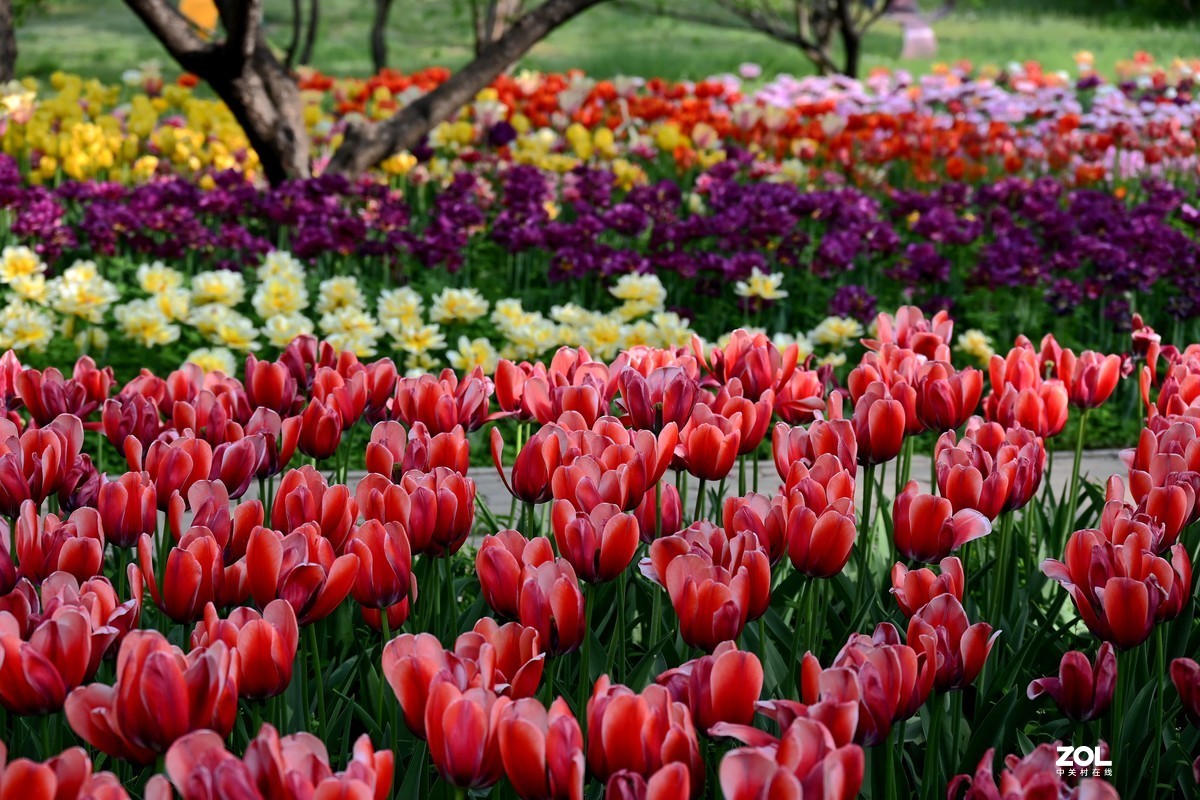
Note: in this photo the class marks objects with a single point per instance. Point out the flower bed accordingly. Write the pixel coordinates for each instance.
(619, 625)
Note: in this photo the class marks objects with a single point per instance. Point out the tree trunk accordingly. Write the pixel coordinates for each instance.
(310, 41)
(379, 34)
(8, 41)
(293, 47)
(493, 23)
(366, 144)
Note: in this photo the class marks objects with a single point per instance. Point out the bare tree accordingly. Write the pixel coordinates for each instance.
(379, 34)
(8, 41)
(262, 94)
(491, 19)
(812, 26)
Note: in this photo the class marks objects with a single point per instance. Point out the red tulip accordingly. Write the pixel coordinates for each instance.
(304, 496)
(436, 509)
(926, 529)
(946, 399)
(463, 731)
(666, 394)
(133, 415)
(171, 466)
(270, 385)
(280, 437)
(834, 437)
(265, 644)
(1081, 691)
(48, 395)
(128, 508)
(551, 602)
(510, 380)
(444, 402)
(599, 544)
(669, 782)
(159, 696)
(648, 515)
(961, 648)
(722, 687)
(211, 509)
(384, 576)
(320, 430)
(500, 563)
(80, 487)
(347, 395)
(1185, 674)
(213, 416)
(535, 464)
(799, 399)
(35, 464)
(542, 752)
(879, 421)
(201, 768)
(756, 415)
(807, 763)
(67, 776)
(640, 733)
(1035, 775)
(914, 588)
(61, 652)
(710, 443)
(194, 575)
(1091, 378)
(391, 452)
(911, 330)
(111, 619)
(818, 544)
(753, 359)
(509, 656)
(299, 568)
(897, 368)
(1121, 589)
(8, 570)
(74, 545)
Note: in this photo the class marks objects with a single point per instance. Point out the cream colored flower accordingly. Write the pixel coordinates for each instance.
(281, 265)
(803, 344)
(646, 289)
(420, 339)
(836, 332)
(457, 305)
(351, 329)
(763, 285)
(673, 330)
(472, 353)
(25, 327)
(218, 287)
(399, 308)
(158, 277)
(19, 262)
(81, 292)
(175, 304)
(282, 329)
(604, 338)
(418, 364)
(31, 287)
(279, 296)
(236, 332)
(338, 293)
(832, 360)
(143, 322)
(213, 359)
(975, 344)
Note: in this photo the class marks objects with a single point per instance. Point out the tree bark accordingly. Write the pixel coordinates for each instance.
(310, 40)
(8, 41)
(379, 34)
(495, 20)
(366, 144)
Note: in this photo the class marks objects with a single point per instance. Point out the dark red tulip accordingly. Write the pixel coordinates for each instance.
(280, 436)
(194, 575)
(463, 731)
(500, 564)
(722, 687)
(879, 421)
(751, 358)
(131, 415)
(8, 570)
(320, 430)
(48, 394)
(300, 568)
(550, 601)
(833, 436)
(648, 516)
(818, 544)
(535, 464)
(61, 652)
(111, 619)
(1185, 674)
(200, 768)
(1036, 775)
(710, 443)
(1082, 691)
(128, 508)
(1090, 378)
(926, 528)
(946, 399)
(666, 394)
(436, 509)
(669, 782)
(384, 565)
(542, 751)
(265, 644)
(393, 452)
(66, 776)
(914, 588)
(236, 464)
(1121, 590)
(640, 733)
(172, 466)
(74, 545)
(80, 487)
(304, 496)
(159, 696)
(35, 464)
(441, 403)
(807, 763)
(756, 415)
(599, 544)
(271, 385)
(962, 648)
(801, 397)
(1041, 408)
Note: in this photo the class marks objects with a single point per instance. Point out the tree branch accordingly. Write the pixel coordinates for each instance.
(240, 19)
(176, 33)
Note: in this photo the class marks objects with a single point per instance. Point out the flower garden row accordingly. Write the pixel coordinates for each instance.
(620, 624)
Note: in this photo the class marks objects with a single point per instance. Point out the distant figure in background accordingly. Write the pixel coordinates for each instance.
(920, 41)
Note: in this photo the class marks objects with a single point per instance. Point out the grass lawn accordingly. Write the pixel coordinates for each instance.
(103, 38)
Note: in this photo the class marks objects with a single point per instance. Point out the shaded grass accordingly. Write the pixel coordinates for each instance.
(103, 38)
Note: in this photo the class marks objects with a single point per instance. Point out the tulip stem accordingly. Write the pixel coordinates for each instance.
(585, 657)
(1073, 499)
(1160, 671)
(623, 633)
(700, 500)
(1000, 595)
(658, 511)
(804, 596)
(889, 764)
(451, 611)
(387, 635)
(864, 535)
(315, 654)
(933, 740)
